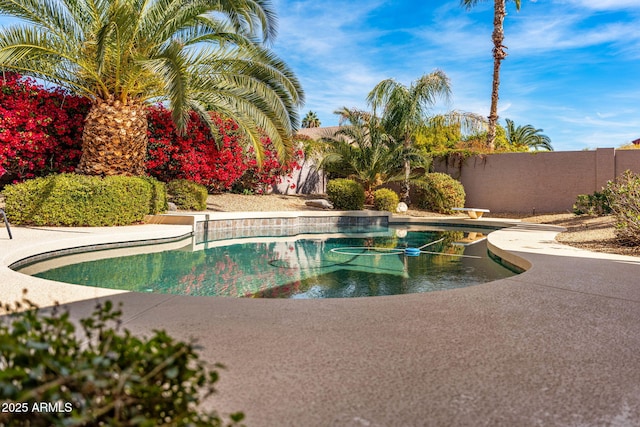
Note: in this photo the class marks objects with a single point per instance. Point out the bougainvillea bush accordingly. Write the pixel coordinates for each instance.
(260, 179)
(195, 155)
(40, 129)
(218, 162)
(41, 133)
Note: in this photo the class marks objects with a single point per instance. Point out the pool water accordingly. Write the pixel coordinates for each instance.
(322, 266)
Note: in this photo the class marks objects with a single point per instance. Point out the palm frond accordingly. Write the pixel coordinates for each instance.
(195, 54)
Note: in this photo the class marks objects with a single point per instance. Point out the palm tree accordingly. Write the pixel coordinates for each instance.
(126, 54)
(499, 53)
(361, 150)
(527, 136)
(404, 111)
(311, 120)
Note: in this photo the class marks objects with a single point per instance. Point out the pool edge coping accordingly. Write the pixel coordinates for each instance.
(511, 244)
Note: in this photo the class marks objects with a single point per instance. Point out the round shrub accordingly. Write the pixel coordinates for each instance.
(188, 195)
(346, 194)
(385, 199)
(79, 200)
(438, 192)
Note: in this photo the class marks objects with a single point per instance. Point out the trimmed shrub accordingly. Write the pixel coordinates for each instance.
(596, 204)
(188, 195)
(158, 202)
(624, 199)
(346, 194)
(438, 192)
(102, 376)
(385, 199)
(78, 200)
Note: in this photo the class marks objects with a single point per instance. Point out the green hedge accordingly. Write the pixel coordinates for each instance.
(158, 203)
(385, 199)
(79, 200)
(188, 195)
(346, 194)
(438, 192)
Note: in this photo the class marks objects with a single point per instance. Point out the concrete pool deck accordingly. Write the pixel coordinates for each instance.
(556, 345)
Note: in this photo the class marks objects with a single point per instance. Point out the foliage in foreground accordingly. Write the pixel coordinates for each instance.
(624, 199)
(438, 192)
(188, 195)
(78, 200)
(108, 377)
(345, 194)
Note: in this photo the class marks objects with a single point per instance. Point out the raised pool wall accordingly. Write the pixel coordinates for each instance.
(283, 225)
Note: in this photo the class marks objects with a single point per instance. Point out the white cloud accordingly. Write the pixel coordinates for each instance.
(605, 4)
(543, 34)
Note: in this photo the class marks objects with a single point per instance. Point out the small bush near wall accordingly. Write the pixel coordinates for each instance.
(593, 204)
(385, 199)
(188, 195)
(345, 194)
(78, 200)
(102, 376)
(438, 192)
(624, 198)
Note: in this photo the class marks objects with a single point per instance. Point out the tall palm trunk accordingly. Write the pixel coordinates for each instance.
(406, 186)
(114, 141)
(499, 53)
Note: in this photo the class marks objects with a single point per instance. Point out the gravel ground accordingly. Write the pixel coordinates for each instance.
(587, 232)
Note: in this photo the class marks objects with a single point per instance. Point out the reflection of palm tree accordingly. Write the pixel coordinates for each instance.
(126, 54)
(527, 136)
(499, 53)
(311, 120)
(404, 111)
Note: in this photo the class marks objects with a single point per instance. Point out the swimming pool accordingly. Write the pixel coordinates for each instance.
(328, 265)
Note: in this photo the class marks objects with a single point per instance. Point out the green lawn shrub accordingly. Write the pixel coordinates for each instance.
(79, 200)
(596, 204)
(101, 376)
(624, 199)
(158, 202)
(188, 195)
(346, 194)
(438, 192)
(385, 199)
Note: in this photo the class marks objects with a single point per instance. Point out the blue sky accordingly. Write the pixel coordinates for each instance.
(573, 67)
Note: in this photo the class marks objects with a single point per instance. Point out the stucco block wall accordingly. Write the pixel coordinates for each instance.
(544, 182)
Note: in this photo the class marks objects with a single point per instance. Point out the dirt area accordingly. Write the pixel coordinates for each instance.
(592, 233)
(587, 232)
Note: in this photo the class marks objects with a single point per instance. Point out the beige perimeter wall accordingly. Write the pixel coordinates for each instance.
(544, 182)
